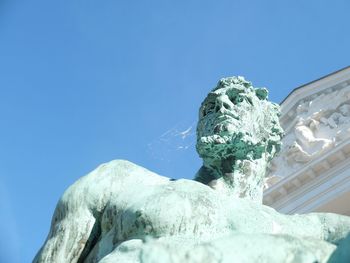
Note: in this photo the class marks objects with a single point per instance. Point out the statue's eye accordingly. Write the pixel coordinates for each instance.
(236, 99)
(239, 99)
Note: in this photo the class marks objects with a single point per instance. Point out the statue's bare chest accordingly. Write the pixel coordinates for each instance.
(184, 208)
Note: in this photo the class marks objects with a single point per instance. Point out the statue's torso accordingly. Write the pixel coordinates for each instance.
(181, 207)
(134, 204)
(143, 205)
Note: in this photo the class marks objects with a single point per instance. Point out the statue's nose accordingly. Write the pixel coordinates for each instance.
(223, 104)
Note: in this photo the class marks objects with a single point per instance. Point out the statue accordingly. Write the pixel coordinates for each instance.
(121, 212)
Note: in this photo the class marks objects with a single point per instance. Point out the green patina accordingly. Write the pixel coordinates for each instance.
(236, 123)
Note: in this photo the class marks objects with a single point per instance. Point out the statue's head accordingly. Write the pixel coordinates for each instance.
(237, 122)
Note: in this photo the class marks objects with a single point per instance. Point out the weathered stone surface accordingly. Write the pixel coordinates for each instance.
(122, 212)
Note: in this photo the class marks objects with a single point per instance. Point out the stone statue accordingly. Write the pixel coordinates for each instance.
(122, 212)
(307, 146)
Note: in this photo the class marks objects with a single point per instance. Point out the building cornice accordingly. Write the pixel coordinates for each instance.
(329, 83)
(304, 188)
(314, 81)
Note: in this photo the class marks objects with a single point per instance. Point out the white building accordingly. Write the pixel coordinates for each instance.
(312, 172)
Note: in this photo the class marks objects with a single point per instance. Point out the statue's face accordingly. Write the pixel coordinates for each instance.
(236, 120)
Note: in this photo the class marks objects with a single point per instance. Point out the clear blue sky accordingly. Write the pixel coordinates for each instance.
(84, 81)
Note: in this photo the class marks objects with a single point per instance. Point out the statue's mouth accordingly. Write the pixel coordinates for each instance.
(228, 115)
(223, 127)
(224, 123)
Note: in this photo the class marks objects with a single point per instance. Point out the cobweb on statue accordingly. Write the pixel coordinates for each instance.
(173, 142)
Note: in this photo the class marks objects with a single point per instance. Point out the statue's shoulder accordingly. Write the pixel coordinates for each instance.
(113, 176)
(120, 169)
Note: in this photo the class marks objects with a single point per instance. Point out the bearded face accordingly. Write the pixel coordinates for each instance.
(236, 121)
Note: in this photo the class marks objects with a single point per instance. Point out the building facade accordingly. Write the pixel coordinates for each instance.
(312, 171)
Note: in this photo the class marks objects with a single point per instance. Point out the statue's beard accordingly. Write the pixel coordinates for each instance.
(233, 146)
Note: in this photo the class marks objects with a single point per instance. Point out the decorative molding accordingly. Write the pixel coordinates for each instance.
(339, 79)
(317, 180)
(316, 122)
(313, 167)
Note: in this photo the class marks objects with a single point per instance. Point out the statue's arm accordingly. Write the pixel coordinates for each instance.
(326, 226)
(75, 223)
(71, 231)
(334, 227)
